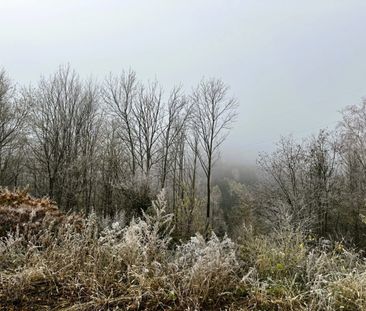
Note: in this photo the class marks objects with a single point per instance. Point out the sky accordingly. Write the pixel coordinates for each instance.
(293, 65)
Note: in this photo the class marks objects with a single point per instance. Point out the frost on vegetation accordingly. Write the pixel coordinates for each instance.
(137, 266)
(207, 268)
(143, 239)
(201, 254)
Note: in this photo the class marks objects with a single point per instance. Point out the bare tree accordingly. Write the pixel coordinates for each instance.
(213, 116)
(65, 132)
(113, 166)
(119, 93)
(286, 167)
(353, 138)
(322, 158)
(303, 177)
(178, 111)
(13, 114)
(148, 113)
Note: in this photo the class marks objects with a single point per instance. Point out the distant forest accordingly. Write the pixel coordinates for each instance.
(110, 147)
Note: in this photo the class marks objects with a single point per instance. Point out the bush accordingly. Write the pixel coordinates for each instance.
(21, 212)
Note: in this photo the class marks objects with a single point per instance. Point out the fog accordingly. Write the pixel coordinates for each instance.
(292, 65)
(117, 196)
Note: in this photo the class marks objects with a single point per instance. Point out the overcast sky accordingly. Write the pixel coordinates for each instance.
(293, 65)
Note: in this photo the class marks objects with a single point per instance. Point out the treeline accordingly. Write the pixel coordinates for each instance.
(321, 181)
(112, 146)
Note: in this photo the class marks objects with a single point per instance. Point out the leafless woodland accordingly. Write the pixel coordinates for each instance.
(161, 221)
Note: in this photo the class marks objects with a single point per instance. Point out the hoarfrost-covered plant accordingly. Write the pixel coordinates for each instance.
(11, 247)
(137, 267)
(208, 268)
(143, 240)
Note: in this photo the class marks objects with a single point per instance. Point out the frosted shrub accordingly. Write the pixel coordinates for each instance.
(208, 268)
(349, 292)
(12, 250)
(142, 249)
(143, 240)
(118, 219)
(336, 280)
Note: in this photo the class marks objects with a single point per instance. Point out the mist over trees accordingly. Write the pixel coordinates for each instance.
(321, 180)
(136, 210)
(111, 146)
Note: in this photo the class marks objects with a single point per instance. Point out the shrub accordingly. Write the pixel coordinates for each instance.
(19, 211)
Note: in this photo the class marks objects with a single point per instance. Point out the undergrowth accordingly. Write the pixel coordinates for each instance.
(138, 267)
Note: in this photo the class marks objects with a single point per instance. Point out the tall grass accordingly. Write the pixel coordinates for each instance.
(137, 267)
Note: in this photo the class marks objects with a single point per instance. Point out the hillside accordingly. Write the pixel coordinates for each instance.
(89, 266)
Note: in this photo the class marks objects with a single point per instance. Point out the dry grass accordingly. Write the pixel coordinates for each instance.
(21, 212)
(137, 267)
